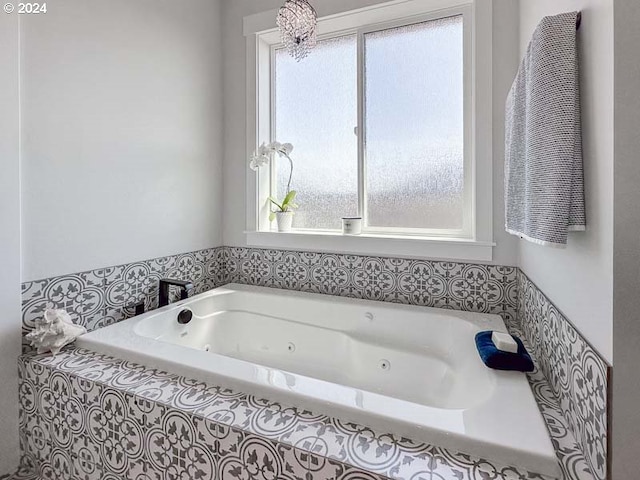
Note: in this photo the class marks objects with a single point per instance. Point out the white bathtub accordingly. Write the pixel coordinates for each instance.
(409, 370)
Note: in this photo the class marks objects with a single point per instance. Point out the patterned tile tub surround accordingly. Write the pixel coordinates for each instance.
(84, 415)
(98, 298)
(576, 373)
(458, 286)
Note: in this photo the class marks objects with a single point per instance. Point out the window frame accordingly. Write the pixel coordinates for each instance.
(467, 215)
(272, 119)
(474, 241)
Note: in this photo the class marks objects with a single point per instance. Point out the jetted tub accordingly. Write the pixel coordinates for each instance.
(409, 370)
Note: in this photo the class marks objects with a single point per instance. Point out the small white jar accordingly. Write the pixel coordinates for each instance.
(351, 225)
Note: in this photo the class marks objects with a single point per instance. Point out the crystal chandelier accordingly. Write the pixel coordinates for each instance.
(298, 23)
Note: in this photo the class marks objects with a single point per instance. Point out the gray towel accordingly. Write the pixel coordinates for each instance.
(544, 191)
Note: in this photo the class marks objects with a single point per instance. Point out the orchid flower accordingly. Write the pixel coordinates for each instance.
(263, 155)
(260, 157)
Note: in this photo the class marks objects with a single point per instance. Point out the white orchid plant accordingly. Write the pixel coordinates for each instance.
(261, 157)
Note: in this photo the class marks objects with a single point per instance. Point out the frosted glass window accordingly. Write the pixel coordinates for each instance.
(316, 110)
(414, 125)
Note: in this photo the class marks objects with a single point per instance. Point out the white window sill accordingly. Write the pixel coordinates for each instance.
(375, 245)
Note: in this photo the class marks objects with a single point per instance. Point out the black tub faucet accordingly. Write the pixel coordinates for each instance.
(165, 283)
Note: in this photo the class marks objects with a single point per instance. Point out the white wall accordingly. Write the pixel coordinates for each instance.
(122, 130)
(235, 159)
(9, 243)
(579, 279)
(626, 316)
(506, 58)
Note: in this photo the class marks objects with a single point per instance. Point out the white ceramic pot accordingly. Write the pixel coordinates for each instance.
(284, 220)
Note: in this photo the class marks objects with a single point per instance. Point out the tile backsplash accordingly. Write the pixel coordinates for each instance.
(457, 286)
(104, 296)
(100, 297)
(577, 374)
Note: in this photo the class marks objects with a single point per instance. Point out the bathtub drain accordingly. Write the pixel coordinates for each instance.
(384, 364)
(291, 347)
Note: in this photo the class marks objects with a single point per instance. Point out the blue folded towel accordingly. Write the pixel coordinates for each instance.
(499, 360)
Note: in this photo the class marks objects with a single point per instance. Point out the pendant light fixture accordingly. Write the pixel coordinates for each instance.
(298, 23)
